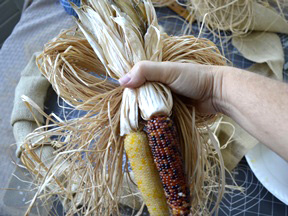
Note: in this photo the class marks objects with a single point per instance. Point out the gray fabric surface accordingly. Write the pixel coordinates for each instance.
(40, 22)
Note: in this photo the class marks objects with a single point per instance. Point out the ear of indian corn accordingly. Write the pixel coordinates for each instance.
(163, 141)
(146, 175)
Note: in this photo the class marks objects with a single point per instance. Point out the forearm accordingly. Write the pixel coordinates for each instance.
(259, 105)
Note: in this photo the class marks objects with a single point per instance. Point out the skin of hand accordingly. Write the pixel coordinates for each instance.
(195, 82)
(257, 103)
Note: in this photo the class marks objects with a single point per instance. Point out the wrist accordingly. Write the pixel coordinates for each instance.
(220, 100)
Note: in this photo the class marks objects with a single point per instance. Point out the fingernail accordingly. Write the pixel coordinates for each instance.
(124, 80)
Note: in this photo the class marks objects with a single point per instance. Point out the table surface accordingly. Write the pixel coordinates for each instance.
(255, 200)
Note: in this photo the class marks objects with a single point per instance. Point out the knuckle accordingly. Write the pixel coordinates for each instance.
(141, 68)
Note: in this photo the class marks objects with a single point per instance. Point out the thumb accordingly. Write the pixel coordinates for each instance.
(149, 71)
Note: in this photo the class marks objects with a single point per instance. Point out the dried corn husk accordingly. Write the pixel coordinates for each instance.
(140, 44)
(262, 47)
(116, 38)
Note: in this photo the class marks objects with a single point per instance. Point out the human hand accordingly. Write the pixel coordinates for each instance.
(201, 84)
(256, 103)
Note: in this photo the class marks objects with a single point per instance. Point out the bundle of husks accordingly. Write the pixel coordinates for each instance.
(176, 162)
(238, 16)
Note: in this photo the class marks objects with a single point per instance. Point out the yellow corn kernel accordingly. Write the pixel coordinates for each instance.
(146, 174)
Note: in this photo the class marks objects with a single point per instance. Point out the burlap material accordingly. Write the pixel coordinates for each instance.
(33, 84)
(238, 146)
(20, 130)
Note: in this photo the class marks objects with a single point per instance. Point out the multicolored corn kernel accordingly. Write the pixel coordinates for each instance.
(163, 140)
(146, 175)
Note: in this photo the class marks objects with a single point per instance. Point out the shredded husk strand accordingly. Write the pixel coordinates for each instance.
(162, 3)
(236, 16)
